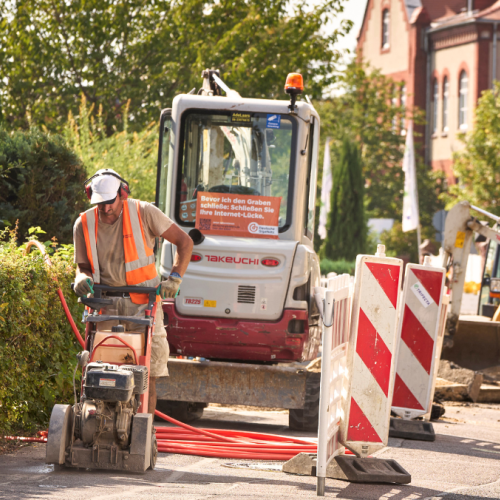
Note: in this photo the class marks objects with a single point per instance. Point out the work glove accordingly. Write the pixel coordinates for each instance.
(82, 287)
(170, 286)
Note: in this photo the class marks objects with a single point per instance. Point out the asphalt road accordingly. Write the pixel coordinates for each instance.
(462, 464)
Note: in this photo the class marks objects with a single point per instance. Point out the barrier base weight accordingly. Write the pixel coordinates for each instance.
(411, 429)
(367, 470)
(303, 464)
(350, 468)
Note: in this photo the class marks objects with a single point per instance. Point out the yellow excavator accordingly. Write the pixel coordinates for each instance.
(472, 341)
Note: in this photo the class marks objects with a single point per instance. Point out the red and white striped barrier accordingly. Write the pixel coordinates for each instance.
(335, 302)
(364, 427)
(418, 333)
(445, 303)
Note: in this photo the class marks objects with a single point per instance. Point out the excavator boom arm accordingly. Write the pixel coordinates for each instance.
(459, 229)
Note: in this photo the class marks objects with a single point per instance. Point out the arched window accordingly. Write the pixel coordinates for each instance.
(446, 92)
(385, 29)
(435, 104)
(463, 90)
(403, 105)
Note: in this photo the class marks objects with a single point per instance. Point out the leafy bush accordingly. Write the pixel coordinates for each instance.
(404, 245)
(132, 155)
(337, 266)
(41, 183)
(37, 345)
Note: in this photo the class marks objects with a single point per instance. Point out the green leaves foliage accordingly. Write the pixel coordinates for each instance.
(132, 154)
(41, 183)
(477, 166)
(37, 345)
(364, 110)
(147, 51)
(404, 245)
(366, 107)
(337, 266)
(346, 225)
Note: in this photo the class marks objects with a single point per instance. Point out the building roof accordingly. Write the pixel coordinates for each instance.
(411, 5)
(491, 13)
(441, 10)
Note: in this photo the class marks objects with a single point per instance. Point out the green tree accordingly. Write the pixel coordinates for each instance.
(363, 109)
(132, 154)
(477, 166)
(346, 226)
(404, 245)
(147, 51)
(41, 183)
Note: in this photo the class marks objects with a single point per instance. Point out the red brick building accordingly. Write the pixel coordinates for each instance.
(445, 52)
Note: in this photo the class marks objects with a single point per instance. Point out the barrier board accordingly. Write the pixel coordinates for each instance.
(445, 303)
(336, 308)
(418, 334)
(364, 427)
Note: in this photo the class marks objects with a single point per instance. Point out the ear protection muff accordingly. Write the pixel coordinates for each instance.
(124, 190)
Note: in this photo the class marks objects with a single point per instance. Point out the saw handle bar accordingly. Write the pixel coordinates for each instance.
(151, 291)
(124, 342)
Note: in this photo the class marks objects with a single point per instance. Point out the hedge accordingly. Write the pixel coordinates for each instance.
(37, 345)
(337, 266)
(41, 183)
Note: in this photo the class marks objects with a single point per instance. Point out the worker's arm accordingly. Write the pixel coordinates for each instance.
(184, 245)
(82, 286)
(82, 269)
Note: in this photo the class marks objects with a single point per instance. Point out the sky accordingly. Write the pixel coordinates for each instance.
(353, 10)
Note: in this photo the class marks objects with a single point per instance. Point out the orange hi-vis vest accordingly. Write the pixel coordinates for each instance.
(140, 269)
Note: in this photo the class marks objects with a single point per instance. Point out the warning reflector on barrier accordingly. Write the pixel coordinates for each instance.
(419, 328)
(335, 302)
(372, 345)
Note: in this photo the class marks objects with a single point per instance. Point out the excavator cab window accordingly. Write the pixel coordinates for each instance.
(491, 270)
(165, 158)
(239, 153)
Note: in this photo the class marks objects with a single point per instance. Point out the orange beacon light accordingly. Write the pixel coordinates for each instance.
(294, 86)
(294, 83)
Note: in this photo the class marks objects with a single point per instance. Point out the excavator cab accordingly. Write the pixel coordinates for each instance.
(239, 176)
(489, 297)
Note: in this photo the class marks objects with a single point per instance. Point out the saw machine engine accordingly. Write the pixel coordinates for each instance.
(104, 416)
(104, 430)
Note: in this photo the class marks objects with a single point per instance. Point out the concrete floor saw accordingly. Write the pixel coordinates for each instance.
(110, 427)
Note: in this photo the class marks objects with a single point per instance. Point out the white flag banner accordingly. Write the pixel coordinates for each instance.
(410, 199)
(326, 189)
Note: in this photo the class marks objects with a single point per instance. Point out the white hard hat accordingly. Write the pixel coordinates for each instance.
(104, 187)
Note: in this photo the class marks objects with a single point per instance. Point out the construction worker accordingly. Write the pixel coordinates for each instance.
(123, 245)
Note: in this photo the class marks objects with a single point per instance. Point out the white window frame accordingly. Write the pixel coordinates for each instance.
(463, 96)
(435, 105)
(446, 103)
(386, 23)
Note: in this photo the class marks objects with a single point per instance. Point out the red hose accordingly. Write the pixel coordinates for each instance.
(42, 438)
(227, 444)
(70, 318)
